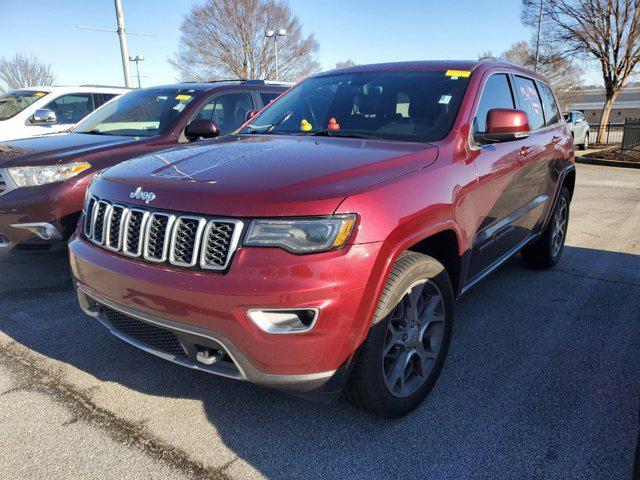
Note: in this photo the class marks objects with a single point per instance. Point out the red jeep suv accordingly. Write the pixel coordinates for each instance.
(320, 248)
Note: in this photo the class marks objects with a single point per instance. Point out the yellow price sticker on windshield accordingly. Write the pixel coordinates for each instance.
(183, 98)
(40, 94)
(457, 73)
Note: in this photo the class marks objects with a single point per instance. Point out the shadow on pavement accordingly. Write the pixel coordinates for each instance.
(541, 380)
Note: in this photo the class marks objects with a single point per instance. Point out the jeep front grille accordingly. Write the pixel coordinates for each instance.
(186, 241)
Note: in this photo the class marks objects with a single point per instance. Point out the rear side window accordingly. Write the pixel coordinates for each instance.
(530, 101)
(268, 97)
(72, 108)
(228, 111)
(496, 94)
(551, 111)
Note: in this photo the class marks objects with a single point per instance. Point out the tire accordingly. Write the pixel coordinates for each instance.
(547, 250)
(415, 278)
(584, 145)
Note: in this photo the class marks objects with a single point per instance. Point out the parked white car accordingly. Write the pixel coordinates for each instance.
(579, 128)
(28, 112)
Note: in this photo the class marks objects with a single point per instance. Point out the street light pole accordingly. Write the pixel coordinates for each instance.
(275, 34)
(137, 59)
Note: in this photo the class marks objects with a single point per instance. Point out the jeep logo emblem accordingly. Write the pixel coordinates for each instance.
(146, 197)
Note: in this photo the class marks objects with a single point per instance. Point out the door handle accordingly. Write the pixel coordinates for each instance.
(524, 151)
(555, 139)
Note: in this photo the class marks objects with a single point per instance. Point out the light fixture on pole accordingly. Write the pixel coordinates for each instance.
(137, 59)
(122, 36)
(275, 34)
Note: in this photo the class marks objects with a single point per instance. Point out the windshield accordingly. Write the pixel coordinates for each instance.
(418, 106)
(142, 113)
(13, 103)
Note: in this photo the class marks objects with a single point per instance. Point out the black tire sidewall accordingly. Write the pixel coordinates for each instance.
(425, 268)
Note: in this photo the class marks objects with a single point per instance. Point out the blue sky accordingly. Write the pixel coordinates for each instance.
(366, 31)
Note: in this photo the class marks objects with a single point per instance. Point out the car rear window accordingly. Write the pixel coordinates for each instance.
(551, 111)
(530, 101)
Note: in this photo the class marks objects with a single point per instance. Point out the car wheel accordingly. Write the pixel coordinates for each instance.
(584, 144)
(546, 251)
(403, 354)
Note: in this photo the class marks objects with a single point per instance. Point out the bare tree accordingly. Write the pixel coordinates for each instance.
(24, 71)
(563, 74)
(345, 64)
(607, 31)
(226, 38)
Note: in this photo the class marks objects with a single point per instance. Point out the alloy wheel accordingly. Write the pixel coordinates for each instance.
(413, 339)
(559, 226)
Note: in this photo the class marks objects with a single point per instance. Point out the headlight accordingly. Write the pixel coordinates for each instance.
(301, 235)
(34, 176)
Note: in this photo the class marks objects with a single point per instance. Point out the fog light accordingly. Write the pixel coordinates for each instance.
(285, 321)
(45, 231)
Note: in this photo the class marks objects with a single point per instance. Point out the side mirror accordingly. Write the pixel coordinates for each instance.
(250, 114)
(505, 125)
(44, 115)
(201, 129)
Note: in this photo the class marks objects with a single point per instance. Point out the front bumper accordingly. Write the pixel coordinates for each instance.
(210, 310)
(56, 204)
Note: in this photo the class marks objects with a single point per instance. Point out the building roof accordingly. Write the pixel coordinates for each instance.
(592, 98)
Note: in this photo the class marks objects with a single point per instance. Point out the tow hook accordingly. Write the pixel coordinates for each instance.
(208, 357)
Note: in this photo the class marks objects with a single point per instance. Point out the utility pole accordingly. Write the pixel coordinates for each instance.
(124, 52)
(122, 36)
(538, 38)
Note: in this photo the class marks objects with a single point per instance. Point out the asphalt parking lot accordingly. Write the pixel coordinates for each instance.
(542, 381)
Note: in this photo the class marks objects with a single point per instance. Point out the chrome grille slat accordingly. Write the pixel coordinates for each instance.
(114, 224)
(101, 212)
(132, 237)
(158, 236)
(187, 241)
(220, 237)
(88, 221)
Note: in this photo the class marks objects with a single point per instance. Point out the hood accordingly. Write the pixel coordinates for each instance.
(262, 175)
(55, 148)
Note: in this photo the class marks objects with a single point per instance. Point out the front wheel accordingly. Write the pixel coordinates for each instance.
(546, 251)
(405, 349)
(584, 145)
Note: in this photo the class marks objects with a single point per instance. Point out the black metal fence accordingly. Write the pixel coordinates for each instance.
(614, 132)
(631, 134)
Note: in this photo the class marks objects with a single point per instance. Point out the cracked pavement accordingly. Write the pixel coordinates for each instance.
(541, 381)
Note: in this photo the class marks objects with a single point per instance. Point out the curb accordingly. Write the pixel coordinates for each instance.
(606, 163)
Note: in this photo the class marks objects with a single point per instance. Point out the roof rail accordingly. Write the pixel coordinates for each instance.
(242, 80)
(498, 59)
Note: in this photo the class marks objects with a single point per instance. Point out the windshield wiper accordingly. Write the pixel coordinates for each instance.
(325, 132)
(95, 132)
(269, 128)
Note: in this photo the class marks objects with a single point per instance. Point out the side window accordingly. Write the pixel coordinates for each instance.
(530, 101)
(228, 111)
(551, 111)
(72, 108)
(496, 94)
(104, 98)
(268, 97)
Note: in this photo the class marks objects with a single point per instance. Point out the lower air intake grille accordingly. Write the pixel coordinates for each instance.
(156, 337)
